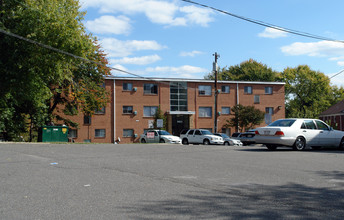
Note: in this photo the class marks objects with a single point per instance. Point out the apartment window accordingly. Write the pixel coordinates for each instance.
(205, 112)
(225, 89)
(204, 90)
(127, 86)
(256, 99)
(127, 109)
(87, 119)
(100, 111)
(149, 111)
(268, 90)
(128, 132)
(99, 133)
(150, 88)
(269, 110)
(248, 89)
(225, 110)
(178, 96)
(72, 133)
(226, 131)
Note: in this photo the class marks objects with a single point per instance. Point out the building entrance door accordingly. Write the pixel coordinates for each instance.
(180, 122)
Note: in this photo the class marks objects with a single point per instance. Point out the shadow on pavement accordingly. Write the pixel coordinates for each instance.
(290, 201)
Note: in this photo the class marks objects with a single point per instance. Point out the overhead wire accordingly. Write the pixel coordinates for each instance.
(151, 78)
(265, 24)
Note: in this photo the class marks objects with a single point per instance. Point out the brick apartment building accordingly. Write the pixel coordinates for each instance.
(188, 103)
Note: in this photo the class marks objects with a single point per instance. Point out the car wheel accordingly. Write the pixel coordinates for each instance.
(300, 144)
(271, 147)
(226, 143)
(143, 141)
(162, 141)
(185, 141)
(341, 144)
(206, 142)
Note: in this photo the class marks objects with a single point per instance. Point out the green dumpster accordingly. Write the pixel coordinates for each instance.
(53, 134)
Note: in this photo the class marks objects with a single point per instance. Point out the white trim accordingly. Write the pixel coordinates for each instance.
(329, 115)
(190, 80)
(181, 112)
(114, 111)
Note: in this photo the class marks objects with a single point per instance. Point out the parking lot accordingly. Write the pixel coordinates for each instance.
(161, 181)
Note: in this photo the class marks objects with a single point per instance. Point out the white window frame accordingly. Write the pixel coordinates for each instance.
(225, 89)
(248, 90)
(269, 110)
(99, 133)
(151, 109)
(268, 90)
(126, 109)
(205, 112)
(127, 88)
(256, 99)
(229, 110)
(204, 90)
(130, 130)
(151, 90)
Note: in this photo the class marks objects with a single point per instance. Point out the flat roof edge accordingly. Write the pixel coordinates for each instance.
(188, 80)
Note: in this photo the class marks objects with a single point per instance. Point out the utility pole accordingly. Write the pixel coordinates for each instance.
(216, 92)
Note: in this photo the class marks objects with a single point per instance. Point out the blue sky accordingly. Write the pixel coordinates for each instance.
(176, 39)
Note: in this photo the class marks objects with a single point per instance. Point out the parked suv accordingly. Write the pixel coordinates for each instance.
(200, 136)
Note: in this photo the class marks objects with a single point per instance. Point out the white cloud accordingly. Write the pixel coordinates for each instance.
(159, 12)
(181, 71)
(197, 15)
(117, 48)
(321, 48)
(109, 25)
(144, 60)
(272, 33)
(190, 54)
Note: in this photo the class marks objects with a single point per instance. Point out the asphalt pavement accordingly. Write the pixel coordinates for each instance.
(161, 181)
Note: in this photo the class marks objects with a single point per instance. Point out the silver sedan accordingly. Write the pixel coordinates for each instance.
(299, 133)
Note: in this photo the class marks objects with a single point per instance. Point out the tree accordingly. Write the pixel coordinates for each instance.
(245, 117)
(38, 79)
(249, 70)
(159, 115)
(308, 92)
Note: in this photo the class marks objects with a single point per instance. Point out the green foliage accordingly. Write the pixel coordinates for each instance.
(245, 117)
(249, 70)
(160, 115)
(308, 92)
(37, 79)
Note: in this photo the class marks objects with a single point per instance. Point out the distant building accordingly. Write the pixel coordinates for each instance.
(188, 103)
(334, 116)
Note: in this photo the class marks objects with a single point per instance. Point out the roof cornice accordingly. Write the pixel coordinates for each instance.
(189, 80)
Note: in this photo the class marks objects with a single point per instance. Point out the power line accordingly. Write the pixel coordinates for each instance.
(265, 24)
(337, 74)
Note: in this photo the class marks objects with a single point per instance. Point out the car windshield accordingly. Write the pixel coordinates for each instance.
(224, 136)
(282, 123)
(163, 132)
(206, 132)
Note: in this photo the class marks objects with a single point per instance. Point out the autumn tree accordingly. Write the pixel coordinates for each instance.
(36, 79)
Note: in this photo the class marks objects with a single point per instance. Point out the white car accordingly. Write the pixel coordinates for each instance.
(159, 136)
(200, 136)
(229, 141)
(299, 133)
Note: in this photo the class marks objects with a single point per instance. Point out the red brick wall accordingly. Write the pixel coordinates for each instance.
(138, 100)
(98, 121)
